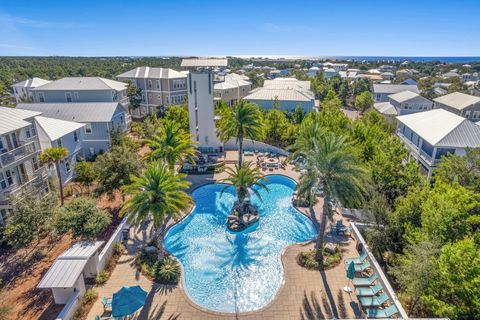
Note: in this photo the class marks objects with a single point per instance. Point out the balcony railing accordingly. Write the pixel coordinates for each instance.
(38, 183)
(19, 153)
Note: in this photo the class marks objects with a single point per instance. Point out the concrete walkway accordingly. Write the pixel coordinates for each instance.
(305, 294)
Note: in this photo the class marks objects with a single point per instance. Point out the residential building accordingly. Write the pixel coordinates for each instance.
(466, 77)
(20, 169)
(329, 73)
(349, 74)
(387, 75)
(312, 72)
(160, 87)
(432, 134)
(409, 81)
(232, 89)
(81, 89)
(404, 102)
(287, 92)
(60, 133)
(404, 73)
(22, 90)
(461, 104)
(382, 91)
(99, 119)
(451, 74)
(201, 109)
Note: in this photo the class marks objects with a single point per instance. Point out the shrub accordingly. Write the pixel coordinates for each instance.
(101, 277)
(68, 191)
(90, 296)
(168, 271)
(118, 249)
(307, 259)
(86, 304)
(5, 312)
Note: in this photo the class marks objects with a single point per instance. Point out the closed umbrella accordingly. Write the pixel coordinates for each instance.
(350, 276)
(128, 300)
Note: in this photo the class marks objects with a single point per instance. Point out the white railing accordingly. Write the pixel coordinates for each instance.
(107, 251)
(70, 307)
(38, 183)
(387, 288)
(18, 153)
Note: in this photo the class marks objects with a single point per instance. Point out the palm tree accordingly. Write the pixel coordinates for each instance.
(338, 173)
(158, 193)
(309, 130)
(172, 144)
(243, 178)
(54, 156)
(243, 120)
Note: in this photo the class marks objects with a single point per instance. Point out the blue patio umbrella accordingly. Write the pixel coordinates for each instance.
(350, 275)
(128, 300)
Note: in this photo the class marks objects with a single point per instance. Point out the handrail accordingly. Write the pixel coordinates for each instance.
(17, 153)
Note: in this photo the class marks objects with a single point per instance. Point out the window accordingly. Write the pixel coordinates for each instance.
(88, 128)
(68, 96)
(67, 165)
(1, 144)
(75, 96)
(3, 183)
(27, 132)
(158, 84)
(149, 84)
(475, 114)
(3, 214)
(35, 163)
(34, 132)
(59, 143)
(75, 136)
(41, 97)
(8, 174)
(92, 151)
(467, 114)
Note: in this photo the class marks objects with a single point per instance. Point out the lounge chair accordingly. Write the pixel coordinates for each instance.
(381, 313)
(359, 267)
(373, 301)
(365, 282)
(107, 303)
(361, 259)
(368, 292)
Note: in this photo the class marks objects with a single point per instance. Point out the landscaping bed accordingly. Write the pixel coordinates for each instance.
(160, 268)
(331, 259)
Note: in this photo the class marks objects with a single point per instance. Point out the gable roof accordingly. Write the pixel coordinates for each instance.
(155, 73)
(31, 83)
(442, 128)
(82, 83)
(457, 100)
(78, 111)
(406, 96)
(287, 83)
(13, 119)
(282, 94)
(55, 128)
(394, 88)
(204, 62)
(385, 108)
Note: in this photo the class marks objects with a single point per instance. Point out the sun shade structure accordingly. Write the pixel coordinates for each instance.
(204, 63)
(128, 300)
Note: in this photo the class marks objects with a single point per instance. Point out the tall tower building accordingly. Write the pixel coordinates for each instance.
(201, 106)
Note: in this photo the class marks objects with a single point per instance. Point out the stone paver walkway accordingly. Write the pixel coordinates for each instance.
(305, 294)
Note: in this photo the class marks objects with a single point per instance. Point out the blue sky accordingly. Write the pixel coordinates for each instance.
(242, 27)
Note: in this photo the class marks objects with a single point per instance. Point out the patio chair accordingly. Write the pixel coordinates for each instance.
(365, 282)
(360, 267)
(373, 301)
(381, 313)
(107, 303)
(361, 259)
(368, 292)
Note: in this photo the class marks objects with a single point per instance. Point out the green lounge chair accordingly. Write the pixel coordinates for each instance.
(358, 260)
(107, 303)
(359, 267)
(368, 292)
(381, 313)
(373, 301)
(365, 282)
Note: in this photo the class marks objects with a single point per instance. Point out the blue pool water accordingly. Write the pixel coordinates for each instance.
(229, 272)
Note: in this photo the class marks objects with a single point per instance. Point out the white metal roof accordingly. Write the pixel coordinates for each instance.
(74, 111)
(31, 83)
(13, 119)
(204, 62)
(55, 128)
(385, 108)
(82, 83)
(155, 73)
(443, 128)
(224, 86)
(69, 265)
(282, 94)
(403, 96)
(457, 100)
(394, 88)
(286, 83)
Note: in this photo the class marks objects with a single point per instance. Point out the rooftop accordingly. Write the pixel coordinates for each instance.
(385, 108)
(282, 94)
(393, 88)
(155, 73)
(457, 100)
(31, 83)
(55, 128)
(405, 96)
(204, 62)
(82, 83)
(442, 128)
(13, 119)
(78, 111)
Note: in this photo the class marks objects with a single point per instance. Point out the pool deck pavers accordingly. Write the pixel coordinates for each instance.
(305, 294)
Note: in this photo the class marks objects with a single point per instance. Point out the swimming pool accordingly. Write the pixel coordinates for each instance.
(229, 272)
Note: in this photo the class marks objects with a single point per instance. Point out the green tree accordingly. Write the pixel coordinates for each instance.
(29, 220)
(178, 114)
(242, 121)
(54, 156)
(172, 144)
(363, 101)
(157, 193)
(455, 290)
(464, 170)
(339, 174)
(243, 178)
(134, 95)
(276, 124)
(298, 115)
(114, 169)
(82, 217)
(85, 174)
